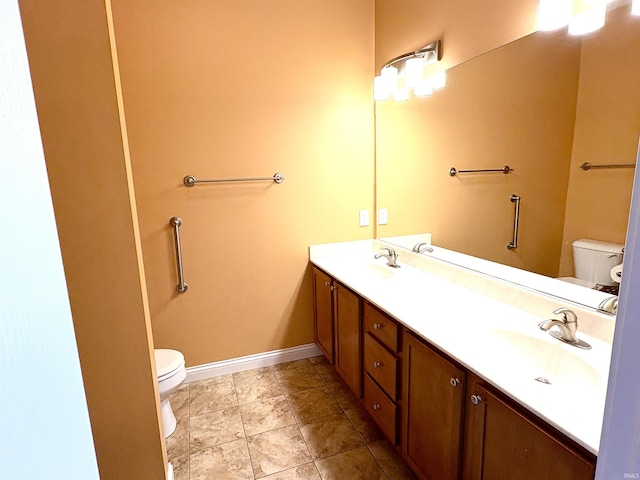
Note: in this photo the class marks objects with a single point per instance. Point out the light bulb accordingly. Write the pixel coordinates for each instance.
(413, 71)
(588, 20)
(401, 94)
(439, 80)
(635, 7)
(380, 91)
(390, 76)
(423, 89)
(554, 14)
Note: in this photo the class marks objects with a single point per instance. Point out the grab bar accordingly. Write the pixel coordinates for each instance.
(589, 166)
(175, 222)
(514, 244)
(190, 180)
(507, 169)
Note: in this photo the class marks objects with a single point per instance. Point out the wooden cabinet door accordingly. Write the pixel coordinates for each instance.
(346, 311)
(432, 418)
(501, 444)
(323, 313)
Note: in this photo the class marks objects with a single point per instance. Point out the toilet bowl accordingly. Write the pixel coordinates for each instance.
(171, 373)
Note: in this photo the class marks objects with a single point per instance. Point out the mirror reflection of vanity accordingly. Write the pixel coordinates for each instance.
(543, 105)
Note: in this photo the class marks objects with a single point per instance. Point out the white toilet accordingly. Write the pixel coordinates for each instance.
(171, 373)
(593, 261)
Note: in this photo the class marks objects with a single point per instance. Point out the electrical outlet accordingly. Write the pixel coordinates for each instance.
(364, 218)
(382, 216)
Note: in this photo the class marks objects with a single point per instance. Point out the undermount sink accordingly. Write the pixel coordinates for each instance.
(379, 271)
(548, 362)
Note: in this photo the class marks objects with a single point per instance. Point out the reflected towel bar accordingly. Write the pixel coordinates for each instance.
(589, 166)
(190, 180)
(507, 169)
(175, 222)
(516, 219)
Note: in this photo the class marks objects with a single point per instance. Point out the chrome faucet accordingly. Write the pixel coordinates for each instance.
(391, 256)
(567, 327)
(609, 305)
(422, 247)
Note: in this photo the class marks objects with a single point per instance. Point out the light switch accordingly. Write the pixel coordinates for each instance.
(364, 218)
(382, 216)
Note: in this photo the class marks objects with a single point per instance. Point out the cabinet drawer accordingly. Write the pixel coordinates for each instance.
(381, 409)
(380, 326)
(381, 365)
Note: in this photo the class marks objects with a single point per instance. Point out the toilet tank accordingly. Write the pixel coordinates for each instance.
(593, 260)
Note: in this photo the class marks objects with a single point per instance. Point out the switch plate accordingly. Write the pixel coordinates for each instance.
(382, 216)
(364, 218)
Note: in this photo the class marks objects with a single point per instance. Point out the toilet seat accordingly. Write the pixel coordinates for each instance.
(168, 362)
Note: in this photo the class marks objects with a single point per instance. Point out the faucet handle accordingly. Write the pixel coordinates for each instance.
(568, 316)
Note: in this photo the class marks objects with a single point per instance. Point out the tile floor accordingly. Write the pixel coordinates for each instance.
(296, 420)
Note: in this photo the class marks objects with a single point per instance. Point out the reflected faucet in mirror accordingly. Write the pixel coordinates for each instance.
(422, 247)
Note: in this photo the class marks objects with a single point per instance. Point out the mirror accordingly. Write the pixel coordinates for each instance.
(543, 105)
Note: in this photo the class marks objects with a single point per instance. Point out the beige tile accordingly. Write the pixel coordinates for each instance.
(210, 395)
(178, 442)
(310, 404)
(390, 460)
(261, 387)
(299, 378)
(295, 364)
(265, 415)
(303, 472)
(327, 436)
(215, 428)
(345, 397)
(356, 464)
(181, 468)
(277, 450)
(228, 461)
(327, 372)
(319, 360)
(253, 373)
(180, 402)
(364, 424)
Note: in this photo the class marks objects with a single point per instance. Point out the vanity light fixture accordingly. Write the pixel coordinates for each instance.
(405, 73)
(582, 16)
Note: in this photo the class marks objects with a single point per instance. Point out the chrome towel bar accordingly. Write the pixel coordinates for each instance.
(175, 222)
(507, 169)
(589, 166)
(516, 219)
(190, 180)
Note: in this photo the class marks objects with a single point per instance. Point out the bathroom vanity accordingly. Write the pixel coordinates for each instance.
(453, 368)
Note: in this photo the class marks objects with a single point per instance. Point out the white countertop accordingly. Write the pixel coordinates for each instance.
(496, 340)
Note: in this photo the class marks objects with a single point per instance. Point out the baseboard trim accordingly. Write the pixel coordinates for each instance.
(266, 359)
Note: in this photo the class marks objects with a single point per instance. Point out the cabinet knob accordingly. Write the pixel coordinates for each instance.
(377, 364)
(476, 399)
(377, 326)
(454, 382)
(326, 284)
(376, 406)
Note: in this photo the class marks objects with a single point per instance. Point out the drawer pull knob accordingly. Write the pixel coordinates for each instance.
(377, 326)
(377, 364)
(454, 382)
(376, 406)
(476, 399)
(326, 284)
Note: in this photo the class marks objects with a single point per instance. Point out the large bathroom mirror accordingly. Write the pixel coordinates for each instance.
(543, 105)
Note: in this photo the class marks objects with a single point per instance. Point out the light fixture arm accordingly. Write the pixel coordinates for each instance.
(433, 50)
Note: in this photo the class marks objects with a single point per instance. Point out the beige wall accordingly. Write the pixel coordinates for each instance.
(513, 106)
(245, 88)
(75, 86)
(467, 28)
(607, 130)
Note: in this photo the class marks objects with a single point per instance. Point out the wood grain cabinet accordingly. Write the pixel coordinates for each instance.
(337, 328)
(501, 442)
(433, 415)
(382, 369)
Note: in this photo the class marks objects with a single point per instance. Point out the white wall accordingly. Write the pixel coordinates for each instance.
(45, 430)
